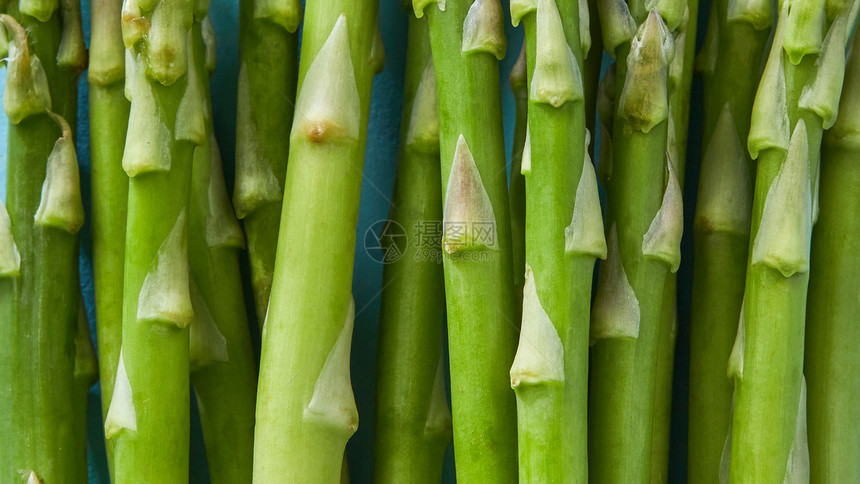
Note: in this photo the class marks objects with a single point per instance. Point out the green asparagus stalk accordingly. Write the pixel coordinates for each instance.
(306, 410)
(148, 416)
(413, 423)
(797, 97)
(730, 63)
(831, 363)
(593, 60)
(108, 111)
(467, 40)
(268, 47)
(39, 295)
(86, 374)
(550, 370)
(646, 223)
(517, 184)
(223, 371)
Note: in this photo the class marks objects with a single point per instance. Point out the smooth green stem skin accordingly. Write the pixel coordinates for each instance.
(479, 285)
(720, 256)
(552, 416)
(226, 390)
(108, 111)
(155, 353)
(411, 438)
(311, 290)
(517, 194)
(270, 56)
(832, 364)
(39, 321)
(591, 73)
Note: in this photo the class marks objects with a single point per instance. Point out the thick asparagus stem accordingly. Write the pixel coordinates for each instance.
(517, 184)
(467, 40)
(798, 94)
(645, 218)
(108, 123)
(731, 66)
(306, 411)
(831, 363)
(39, 295)
(149, 411)
(223, 371)
(268, 48)
(550, 370)
(413, 423)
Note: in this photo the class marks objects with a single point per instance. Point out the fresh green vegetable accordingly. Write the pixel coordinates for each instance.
(517, 184)
(731, 66)
(148, 415)
(268, 47)
(467, 39)
(305, 408)
(413, 423)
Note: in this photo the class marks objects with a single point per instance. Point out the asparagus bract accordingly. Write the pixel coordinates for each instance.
(831, 361)
(413, 423)
(268, 48)
(467, 40)
(305, 409)
(39, 438)
(149, 411)
(222, 366)
(730, 64)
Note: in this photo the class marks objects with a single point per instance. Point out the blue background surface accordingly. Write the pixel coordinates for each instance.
(379, 168)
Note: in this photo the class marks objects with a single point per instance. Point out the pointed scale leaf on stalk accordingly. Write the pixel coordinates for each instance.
(821, 96)
(526, 161)
(643, 102)
(540, 355)
(61, 206)
(135, 25)
(164, 296)
(222, 227)
(706, 61)
(663, 239)
(207, 345)
(121, 414)
(735, 367)
(333, 403)
(419, 5)
(41, 10)
(584, 235)
(286, 13)
(26, 91)
(758, 13)
(148, 141)
(423, 133)
(521, 8)
(377, 51)
(10, 258)
(616, 310)
(616, 24)
(190, 122)
(672, 12)
(805, 28)
(584, 27)
(783, 238)
(556, 79)
(208, 34)
(439, 415)
(724, 202)
(166, 53)
(483, 29)
(327, 109)
(769, 124)
(467, 209)
(72, 51)
(797, 470)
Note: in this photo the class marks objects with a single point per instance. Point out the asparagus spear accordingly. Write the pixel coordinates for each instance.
(550, 370)
(645, 219)
(730, 63)
(831, 364)
(467, 40)
(149, 411)
(223, 371)
(593, 60)
(517, 184)
(797, 96)
(39, 295)
(268, 48)
(306, 411)
(413, 423)
(108, 112)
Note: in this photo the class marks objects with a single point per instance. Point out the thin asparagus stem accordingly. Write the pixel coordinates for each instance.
(306, 410)
(223, 371)
(268, 71)
(467, 40)
(39, 295)
(797, 96)
(517, 184)
(731, 65)
(831, 362)
(108, 112)
(149, 411)
(593, 56)
(645, 219)
(86, 374)
(413, 423)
